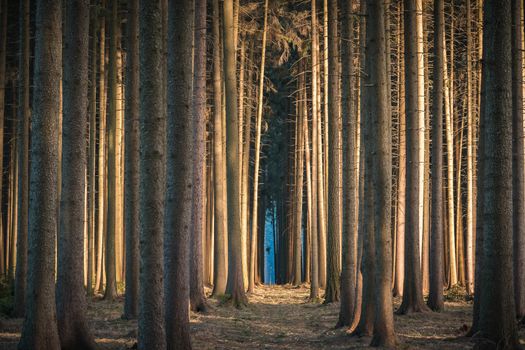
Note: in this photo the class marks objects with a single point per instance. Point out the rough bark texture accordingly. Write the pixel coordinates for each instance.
(151, 333)
(3, 43)
(220, 255)
(377, 108)
(334, 166)
(435, 298)
(180, 174)
(235, 285)
(71, 297)
(518, 166)
(40, 329)
(197, 297)
(412, 289)
(349, 180)
(22, 140)
(497, 324)
(132, 168)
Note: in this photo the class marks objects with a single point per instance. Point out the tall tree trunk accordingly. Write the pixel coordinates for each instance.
(220, 269)
(334, 168)
(132, 167)
(377, 109)
(111, 273)
(518, 166)
(39, 330)
(412, 289)
(349, 180)
(197, 297)
(3, 44)
(70, 294)
(497, 324)
(435, 298)
(179, 174)
(23, 162)
(101, 217)
(257, 155)
(151, 331)
(235, 285)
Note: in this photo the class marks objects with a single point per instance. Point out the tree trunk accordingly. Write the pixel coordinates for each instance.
(435, 298)
(497, 324)
(349, 180)
(39, 330)
(3, 44)
(180, 174)
(258, 126)
(23, 161)
(412, 289)
(334, 169)
(220, 269)
(111, 273)
(518, 166)
(235, 285)
(151, 331)
(132, 167)
(70, 294)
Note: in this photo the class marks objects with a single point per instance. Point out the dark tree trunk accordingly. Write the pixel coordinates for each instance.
(151, 332)
(412, 288)
(334, 166)
(497, 324)
(435, 298)
(132, 168)
(3, 43)
(40, 329)
(22, 140)
(71, 297)
(349, 133)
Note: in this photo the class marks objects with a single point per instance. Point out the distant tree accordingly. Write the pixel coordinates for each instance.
(180, 130)
(39, 330)
(3, 44)
(151, 331)
(132, 168)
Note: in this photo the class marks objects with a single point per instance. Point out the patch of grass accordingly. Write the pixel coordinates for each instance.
(456, 293)
(6, 298)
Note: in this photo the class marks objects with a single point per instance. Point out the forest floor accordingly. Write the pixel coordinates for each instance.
(278, 317)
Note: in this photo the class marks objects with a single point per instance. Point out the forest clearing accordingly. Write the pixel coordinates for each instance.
(278, 317)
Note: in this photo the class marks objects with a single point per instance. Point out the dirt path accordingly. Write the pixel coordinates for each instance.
(279, 317)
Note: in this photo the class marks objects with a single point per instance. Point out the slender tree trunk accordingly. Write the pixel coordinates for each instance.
(412, 289)
(518, 166)
(435, 298)
(349, 134)
(235, 285)
(334, 169)
(220, 270)
(70, 294)
(101, 217)
(197, 297)
(258, 127)
(132, 167)
(39, 330)
(3, 43)
(497, 324)
(23, 162)
(111, 273)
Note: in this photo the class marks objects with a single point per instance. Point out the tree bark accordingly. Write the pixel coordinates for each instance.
(151, 331)
(39, 330)
(70, 293)
(132, 167)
